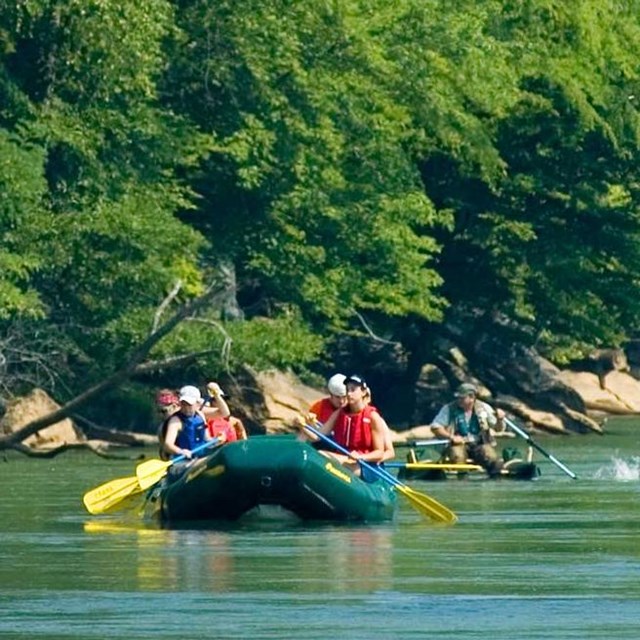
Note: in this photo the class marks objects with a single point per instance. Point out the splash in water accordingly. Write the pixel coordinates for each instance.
(620, 469)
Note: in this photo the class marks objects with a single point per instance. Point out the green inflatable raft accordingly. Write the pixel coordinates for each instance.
(241, 476)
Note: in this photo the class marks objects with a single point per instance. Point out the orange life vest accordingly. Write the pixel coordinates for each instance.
(323, 409)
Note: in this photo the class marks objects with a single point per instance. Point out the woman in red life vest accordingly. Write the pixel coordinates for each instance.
(322, 409)
(358, 426)
(219, 424)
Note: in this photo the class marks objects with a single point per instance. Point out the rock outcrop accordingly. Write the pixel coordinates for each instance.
(36, 404)
(616, 393)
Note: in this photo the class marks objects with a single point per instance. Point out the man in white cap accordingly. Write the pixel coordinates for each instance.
(187, 428)
(322, 409)
(467, 423)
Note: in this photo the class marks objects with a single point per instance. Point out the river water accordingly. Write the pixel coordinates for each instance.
(553, 558)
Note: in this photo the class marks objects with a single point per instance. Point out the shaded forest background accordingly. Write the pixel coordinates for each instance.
(360, 176)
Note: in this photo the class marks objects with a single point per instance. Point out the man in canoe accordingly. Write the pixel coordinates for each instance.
(469, 425)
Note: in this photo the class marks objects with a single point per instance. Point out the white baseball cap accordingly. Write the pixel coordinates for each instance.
(190, 394)
(335, 384)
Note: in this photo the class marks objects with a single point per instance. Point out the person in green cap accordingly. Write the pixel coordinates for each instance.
(469, 425)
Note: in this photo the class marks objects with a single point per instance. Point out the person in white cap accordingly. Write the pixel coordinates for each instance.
(219, 424)
(322, 409)
(187, 428)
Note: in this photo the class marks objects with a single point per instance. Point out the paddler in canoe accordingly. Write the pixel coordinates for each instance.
(469, 425)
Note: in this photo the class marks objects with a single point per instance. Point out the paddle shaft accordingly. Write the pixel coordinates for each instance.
(444, 466)
(198, 449)
(535, 445)
(429, 443)
(152, 471)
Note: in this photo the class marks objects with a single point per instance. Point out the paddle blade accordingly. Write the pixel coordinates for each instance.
(427, 505)
(151, 472)
(110, 495)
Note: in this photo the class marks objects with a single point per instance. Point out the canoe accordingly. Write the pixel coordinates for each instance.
(513, 470)
(418, 469)
(270, 470)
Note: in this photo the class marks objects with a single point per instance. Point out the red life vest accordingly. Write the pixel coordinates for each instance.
(220, 426)
(353, 430)
(323, 409)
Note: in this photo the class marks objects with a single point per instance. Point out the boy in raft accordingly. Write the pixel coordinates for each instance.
(322, 409)
(186, 429)
(358, 426)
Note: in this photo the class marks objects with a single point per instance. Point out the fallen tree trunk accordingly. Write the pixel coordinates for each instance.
(134, 365)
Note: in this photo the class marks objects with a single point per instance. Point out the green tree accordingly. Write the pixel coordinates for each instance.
(311, 188)
(554, 242)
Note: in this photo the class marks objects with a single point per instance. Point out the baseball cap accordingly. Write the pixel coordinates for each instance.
(190, 394)
(466, 389)
(359, 380)
(335, 384)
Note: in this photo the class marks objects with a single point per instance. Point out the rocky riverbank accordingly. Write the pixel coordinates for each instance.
(270, 401)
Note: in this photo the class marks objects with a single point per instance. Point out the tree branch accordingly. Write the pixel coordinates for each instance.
(130, 367)
(372, 334)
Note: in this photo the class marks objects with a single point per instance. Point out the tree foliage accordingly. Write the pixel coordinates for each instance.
(390, 162)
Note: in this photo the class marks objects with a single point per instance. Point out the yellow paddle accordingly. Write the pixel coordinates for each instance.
(152, 471)
(111, 494)
(423, 503)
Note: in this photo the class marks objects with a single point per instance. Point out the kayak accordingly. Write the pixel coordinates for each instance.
(240, 477)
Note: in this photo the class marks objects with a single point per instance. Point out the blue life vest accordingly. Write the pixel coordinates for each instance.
(192, 432)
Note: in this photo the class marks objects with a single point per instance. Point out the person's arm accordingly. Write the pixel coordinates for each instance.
(238, 427)
(315, 409)
(439, 424)
(440, 431)
(326, 428)
(389, 451)
(221, 408)
(169, 445)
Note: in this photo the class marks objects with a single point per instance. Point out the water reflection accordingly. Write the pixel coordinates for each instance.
(237, 557)
(361, 557)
